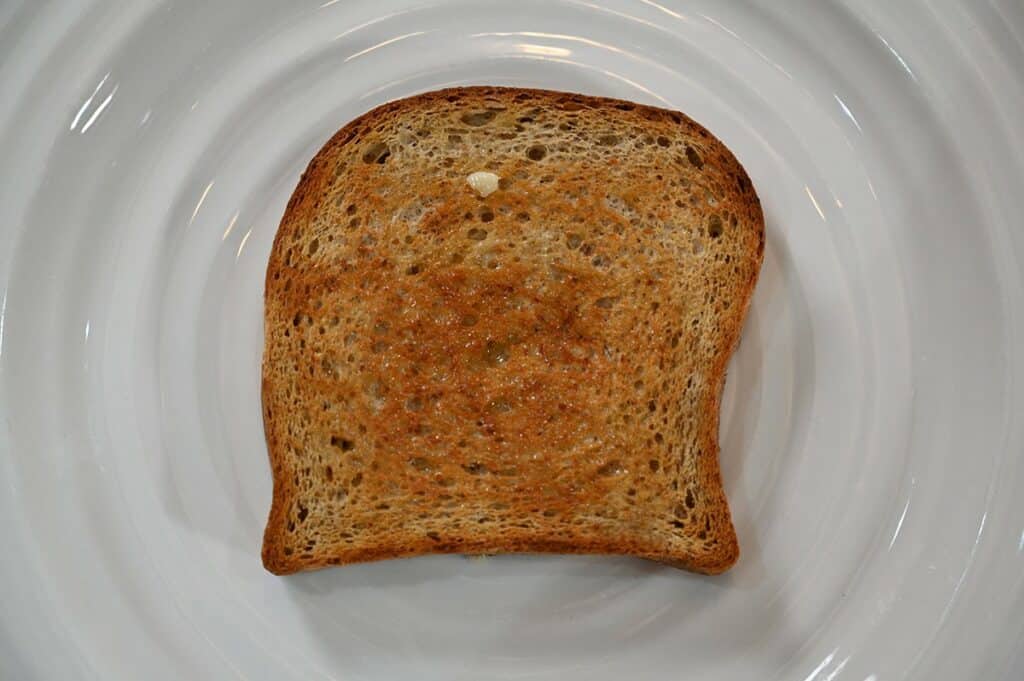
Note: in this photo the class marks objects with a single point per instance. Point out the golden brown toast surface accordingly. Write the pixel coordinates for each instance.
(535, 370)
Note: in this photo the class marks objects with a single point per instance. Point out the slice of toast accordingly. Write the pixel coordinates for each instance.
(532, 365)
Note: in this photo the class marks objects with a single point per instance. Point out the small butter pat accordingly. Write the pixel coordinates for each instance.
(483, 183)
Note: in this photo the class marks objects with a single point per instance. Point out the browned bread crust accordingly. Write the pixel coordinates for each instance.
(538, 370)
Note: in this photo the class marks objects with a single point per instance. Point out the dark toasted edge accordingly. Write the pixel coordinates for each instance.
(714, 563)
(304, 200)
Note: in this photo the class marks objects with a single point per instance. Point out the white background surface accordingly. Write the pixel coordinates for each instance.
(873, 439)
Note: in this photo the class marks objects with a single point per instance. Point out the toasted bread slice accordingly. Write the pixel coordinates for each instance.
(536, 369)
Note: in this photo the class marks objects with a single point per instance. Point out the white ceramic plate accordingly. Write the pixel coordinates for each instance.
(873, 438)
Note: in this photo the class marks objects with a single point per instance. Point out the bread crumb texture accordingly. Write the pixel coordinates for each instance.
(535, 370)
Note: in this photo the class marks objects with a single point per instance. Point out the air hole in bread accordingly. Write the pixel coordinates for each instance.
(496, 353)
(421, 464)
(342, 443)
(536, 152)
(693, 157)
(715, 226)
(377, 152)
(475, 468)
